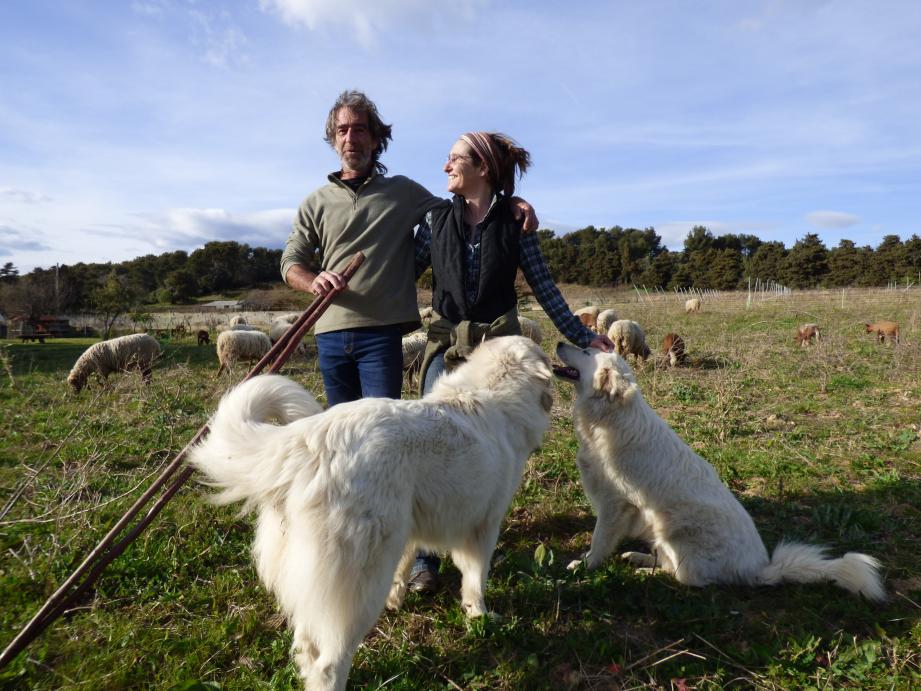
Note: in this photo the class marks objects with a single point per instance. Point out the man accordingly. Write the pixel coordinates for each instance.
(358, 337)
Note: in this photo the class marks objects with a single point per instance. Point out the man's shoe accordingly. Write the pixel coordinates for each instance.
(424, 581)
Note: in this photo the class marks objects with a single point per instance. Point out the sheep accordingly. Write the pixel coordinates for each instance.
(628, 338)
(203, 337)
(137, 351)
(604, 321)
(531, 329)
(807, 334)
(240, 345)
(692, 306)
(882, 329)
(673, 348)
(291, 317)
(238, 319)
(278, 328)
(588, 315)
(243, 327)
(413, 352)
(426, 313)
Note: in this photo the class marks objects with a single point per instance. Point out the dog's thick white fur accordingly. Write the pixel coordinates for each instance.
(346, 496)
(644, 482)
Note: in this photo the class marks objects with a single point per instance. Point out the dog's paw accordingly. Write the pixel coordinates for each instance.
(475, 609)
(575, 565)
(396, 596)
(641, 560)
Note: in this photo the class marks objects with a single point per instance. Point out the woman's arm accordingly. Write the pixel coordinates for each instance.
(548, 295)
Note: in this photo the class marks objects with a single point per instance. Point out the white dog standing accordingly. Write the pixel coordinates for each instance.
(346, 496)
(644, 482)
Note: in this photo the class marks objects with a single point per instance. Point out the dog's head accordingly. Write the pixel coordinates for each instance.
(511, 364)
(596, 374)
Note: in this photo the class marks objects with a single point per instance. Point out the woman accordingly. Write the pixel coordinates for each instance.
(476, 248)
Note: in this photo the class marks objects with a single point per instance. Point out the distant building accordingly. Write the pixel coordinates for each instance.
(224, 305)
(38, 329)
(4, 326)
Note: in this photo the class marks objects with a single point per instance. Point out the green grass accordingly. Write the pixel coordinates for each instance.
(820, 444)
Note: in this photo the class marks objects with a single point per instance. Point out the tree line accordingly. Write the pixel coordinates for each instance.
(590, 256)
(617, 256)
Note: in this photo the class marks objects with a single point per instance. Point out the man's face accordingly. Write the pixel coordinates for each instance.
(354, 143)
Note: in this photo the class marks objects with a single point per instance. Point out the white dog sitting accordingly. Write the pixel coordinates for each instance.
(346, 496)
(644, 482)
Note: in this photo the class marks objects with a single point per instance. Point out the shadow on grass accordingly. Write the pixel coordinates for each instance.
(617, 627)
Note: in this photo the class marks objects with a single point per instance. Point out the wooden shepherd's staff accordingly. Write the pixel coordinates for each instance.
(103, 554)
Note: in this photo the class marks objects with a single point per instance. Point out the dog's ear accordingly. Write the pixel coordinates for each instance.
(611, 383)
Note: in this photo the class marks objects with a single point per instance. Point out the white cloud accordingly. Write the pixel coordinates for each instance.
(192, 228)
(13, 240)
(370, 19)
(25, 196)
(832, 219)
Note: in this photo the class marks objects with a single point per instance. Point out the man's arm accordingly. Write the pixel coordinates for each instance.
(298, 261)
(521, 209)
(303, 279)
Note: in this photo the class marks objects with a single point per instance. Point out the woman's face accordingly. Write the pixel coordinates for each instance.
(464, 177)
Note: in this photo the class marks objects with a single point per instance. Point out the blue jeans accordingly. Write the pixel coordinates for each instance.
(435, 370)
(361, 363)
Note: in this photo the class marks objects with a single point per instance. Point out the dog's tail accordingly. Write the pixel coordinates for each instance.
(242, 453)
(798, 563)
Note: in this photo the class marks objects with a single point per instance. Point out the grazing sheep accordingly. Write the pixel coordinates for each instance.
(413, 351)
(531, 329)
(692, 306)
(238, 319)
(883, 330)
(588, 315)
(673, 348)
(233, 346)
(137, 351)
(807, 334)
(203, 337)
(291, 317)
(243, 327)
(278, 328)
(628, 337)
(604, 321)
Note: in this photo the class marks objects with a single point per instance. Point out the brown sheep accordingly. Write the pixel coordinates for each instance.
(673, 348)
(807, 334)
(883, 329)
(203, 337)
(588, 316)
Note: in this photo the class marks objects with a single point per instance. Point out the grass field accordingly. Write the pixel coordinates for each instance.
(820, 444)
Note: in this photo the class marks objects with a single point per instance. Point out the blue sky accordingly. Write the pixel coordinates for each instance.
(130, 127)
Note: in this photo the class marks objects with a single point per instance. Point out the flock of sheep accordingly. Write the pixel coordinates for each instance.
(242, 342)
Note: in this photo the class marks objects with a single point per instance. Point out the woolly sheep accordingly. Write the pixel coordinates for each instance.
(588, 315)
(604, 321)
(807, 334)
(278, 328)
(203, 337)
(692, 305)
(884, 329)
(413, 347)
(673, 349)
(233, 346)
(137, 351)
(426, 313)
(238, 319)
(531, 329)
(243, 327)
(628, 338)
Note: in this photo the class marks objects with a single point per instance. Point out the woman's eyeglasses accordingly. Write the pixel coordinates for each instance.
(454, 158)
